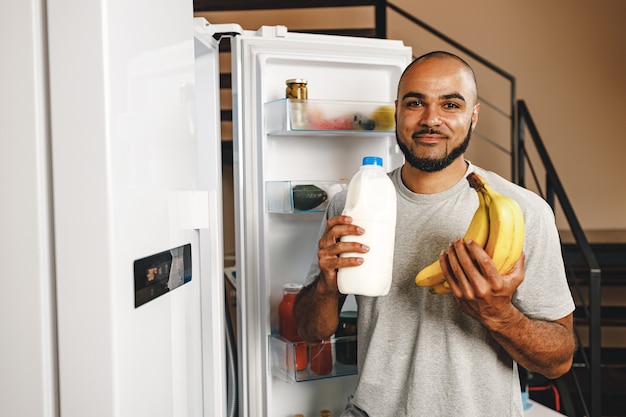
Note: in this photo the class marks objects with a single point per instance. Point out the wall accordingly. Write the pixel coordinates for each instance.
(568, 59)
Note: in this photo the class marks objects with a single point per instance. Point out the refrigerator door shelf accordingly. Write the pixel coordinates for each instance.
(283, 353)
(301, 196)
(327, 117)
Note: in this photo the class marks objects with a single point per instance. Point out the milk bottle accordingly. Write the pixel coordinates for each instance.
(371, 202)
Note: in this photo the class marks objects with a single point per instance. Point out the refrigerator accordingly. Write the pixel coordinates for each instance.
(113, 302)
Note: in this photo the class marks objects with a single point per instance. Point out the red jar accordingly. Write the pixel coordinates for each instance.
(288, 328)
(322, 358)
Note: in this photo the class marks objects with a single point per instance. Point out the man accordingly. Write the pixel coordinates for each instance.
(451, 355)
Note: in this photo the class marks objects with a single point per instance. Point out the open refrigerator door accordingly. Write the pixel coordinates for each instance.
(282, 147)
(290, 156)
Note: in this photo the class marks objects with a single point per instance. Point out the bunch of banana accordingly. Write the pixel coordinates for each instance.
(497, 225)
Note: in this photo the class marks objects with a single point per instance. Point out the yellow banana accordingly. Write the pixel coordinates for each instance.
(517, 239)
(497, 225)
(506, 231)
(430, 275)
(441, 288)
(477, 231)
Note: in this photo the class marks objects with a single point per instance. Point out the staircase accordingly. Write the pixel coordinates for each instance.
(611, 254)
(612, 259)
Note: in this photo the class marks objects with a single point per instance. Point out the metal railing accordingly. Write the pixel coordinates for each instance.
(554, 189)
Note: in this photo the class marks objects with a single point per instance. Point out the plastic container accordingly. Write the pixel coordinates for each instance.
(288, 328)
(371, 202)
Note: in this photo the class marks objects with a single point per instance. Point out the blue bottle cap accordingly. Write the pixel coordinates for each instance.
(373, 160)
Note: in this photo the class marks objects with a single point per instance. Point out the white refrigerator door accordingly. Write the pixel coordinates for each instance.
(137, 213)
(273, 249)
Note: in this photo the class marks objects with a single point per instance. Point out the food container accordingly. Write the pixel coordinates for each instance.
(297, 89)
(346, 352)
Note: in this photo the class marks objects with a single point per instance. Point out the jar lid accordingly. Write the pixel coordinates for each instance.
(348, 316)
(296, 81)
(292, 287)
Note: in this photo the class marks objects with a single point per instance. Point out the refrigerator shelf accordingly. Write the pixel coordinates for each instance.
(327, 117)
(289, 196)
(283, 362)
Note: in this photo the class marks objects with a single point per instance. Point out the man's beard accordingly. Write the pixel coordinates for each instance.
(430, 164)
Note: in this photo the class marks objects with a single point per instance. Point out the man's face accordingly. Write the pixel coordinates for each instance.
(436, 112)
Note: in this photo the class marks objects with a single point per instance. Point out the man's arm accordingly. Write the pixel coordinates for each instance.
(317, 311)
(545, 347)
(317, 305)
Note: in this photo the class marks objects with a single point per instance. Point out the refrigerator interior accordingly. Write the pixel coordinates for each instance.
(276, 248)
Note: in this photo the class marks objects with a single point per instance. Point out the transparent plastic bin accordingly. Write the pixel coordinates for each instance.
(287, 116)
(282, 358)
(301, 196)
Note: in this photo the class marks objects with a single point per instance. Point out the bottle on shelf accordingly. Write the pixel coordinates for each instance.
(296, 358)
(371, 202)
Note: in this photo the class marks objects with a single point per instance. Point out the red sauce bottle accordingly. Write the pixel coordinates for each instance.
(288, 328)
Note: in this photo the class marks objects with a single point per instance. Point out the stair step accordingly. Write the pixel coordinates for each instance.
(611, 258)
(610, 316)
(610, 357)
(607, 254)
(609, 276)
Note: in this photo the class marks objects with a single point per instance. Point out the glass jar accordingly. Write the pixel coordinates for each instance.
(346, 347)
(297, 93)
(288, 328)
(297, 89)
(321, 357)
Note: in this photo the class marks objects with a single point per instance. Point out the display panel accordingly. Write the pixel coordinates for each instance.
(158, 274)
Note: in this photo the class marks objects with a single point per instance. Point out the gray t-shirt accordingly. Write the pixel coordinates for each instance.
(418, 353)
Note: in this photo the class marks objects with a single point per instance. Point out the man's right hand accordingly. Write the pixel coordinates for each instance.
(317, 305)
(330, 247)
